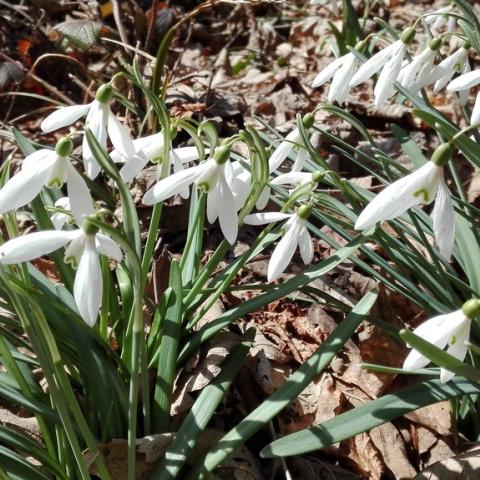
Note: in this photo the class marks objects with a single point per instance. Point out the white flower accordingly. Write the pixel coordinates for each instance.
(211, 177)
(295, 233)
(297, 178)
(49, 168)
(333, 4)
(342, 70)
(287, 145)
(438, 18)
(418, 188)
(85, 245)
(452, 329)
(463, 83)
(150, 149)
(447, 68)
(100, 120)
(390, 60)
(420, 71)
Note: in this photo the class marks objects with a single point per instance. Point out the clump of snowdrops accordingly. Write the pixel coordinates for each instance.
(281, 186)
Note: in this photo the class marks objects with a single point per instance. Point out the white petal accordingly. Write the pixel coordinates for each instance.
(178, 167)
(475, 118)
(301, 159)
(34, 245)
(32, 160)
(446, 68)
(88, 286)
(373, 64)
(266, 217)
(23, 187)
(212, 205)
(401, 195)
(465, 81)
(119, 136)
(283, 150)
(171, 185)
(133, 167)
(457, 349)
(209, 174)
(108, 247)
(292, 178)
(227, 212)
(328, 72)
(74, 251)
(283, 252)
(384, 86)
(263, 198)
(188, 154)
(306, 245)
(80, 200)
(463, 94)
(63, 116)
(96, 121)
(444, 221)
(151, 146)
(58, 220)
(340, 87)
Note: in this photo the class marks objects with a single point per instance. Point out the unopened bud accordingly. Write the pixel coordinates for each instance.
(435, 44)
(308, 120)
(64, 147)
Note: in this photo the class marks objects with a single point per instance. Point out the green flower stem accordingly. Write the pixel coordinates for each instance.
(151, 240)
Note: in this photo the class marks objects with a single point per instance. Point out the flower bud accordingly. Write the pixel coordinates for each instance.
(304, 212)
(471, 308)
(408, 35)
(308, 120)
(221, 154)
(104, 93)
(89, 228)
(442, 154)
(64, 147)
(435, 44)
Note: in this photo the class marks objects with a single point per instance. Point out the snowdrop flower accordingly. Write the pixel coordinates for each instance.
(390, 60)
(420, 72)
(452, 329)
(295, 233)
(150, 149)
(438, 18)
(446, 69)
(209, 176)
(49, 168)
(285, 147)
(342, 69)
(298, 178)
(418, 188)
(100, 120)
(333, 4)
(85, 244)
(463, 83)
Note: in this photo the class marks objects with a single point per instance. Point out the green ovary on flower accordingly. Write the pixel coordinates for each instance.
(423, 192)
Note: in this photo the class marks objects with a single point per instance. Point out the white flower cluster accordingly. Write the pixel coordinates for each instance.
(228, 184)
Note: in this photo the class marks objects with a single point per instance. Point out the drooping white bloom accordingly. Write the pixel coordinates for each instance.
(211, 177)
(49, 168)
(297, 178)
(452, 329)
(342, 69)
(85, 245)
(100, 120)
(390, 60)
(418, 188)
(439, 18)
(295, 234)
(287, 145)
(150, 149)
(420, 71)
(447, 68)
(463, 83)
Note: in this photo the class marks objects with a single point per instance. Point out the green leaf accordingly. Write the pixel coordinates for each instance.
(289, 391)
(14, 464)
(409, 147)
(82, 33)
(368, 416)
(167, 358)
